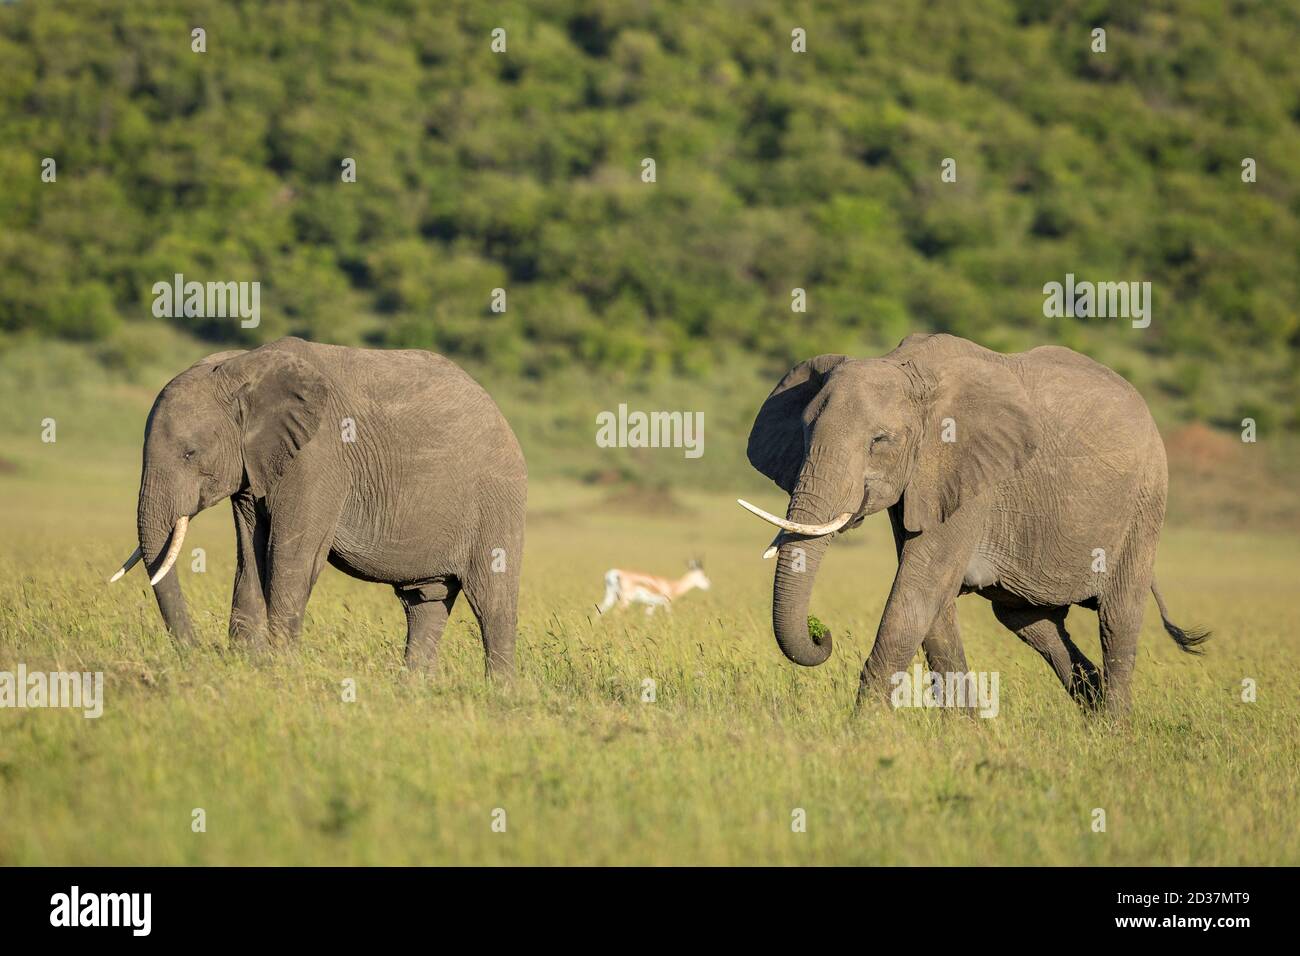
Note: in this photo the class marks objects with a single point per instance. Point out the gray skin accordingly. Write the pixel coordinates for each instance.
(1052, 457)
(429, 497)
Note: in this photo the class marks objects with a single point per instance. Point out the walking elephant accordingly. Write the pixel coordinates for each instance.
(1036, 480)
(393, 466)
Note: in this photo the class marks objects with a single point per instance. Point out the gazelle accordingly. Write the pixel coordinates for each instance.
(628, 587)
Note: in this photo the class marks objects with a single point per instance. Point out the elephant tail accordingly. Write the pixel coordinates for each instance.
(1189, 641)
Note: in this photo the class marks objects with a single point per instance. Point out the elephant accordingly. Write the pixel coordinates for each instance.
(395, 467)
(1036, 480)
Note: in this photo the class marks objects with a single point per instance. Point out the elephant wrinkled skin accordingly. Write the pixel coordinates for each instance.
(393, 466)
(1037, 480)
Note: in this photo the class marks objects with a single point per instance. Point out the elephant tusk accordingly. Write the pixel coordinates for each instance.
(178, 536)
(774, 547)
(794, 527)
(127, 565)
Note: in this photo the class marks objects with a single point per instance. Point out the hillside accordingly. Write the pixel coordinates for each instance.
(775, 170)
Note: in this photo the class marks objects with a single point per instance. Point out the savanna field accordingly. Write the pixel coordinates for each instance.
(382, 171)
(586, 772)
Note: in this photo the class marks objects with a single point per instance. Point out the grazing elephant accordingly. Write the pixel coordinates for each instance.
(394, 467)
(1036, 480)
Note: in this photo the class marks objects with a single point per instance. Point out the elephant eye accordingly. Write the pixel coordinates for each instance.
(189, 454)
(878, 439)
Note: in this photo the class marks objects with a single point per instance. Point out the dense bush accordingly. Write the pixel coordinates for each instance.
(775, 170)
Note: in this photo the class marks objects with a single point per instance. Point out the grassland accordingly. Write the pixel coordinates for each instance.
(289, 773)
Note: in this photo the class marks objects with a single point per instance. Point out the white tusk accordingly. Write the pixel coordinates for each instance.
(128, 565)
(774, 547)
(178, 535)
(808, 530)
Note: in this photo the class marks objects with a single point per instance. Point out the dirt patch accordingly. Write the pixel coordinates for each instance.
(1217, 480)
(638, 499)
(605, 477)
(1199, 449)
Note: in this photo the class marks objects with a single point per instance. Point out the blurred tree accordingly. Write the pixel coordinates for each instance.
(776, 169)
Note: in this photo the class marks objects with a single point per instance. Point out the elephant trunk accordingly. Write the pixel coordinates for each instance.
(161, 525)
(822, 492)
(797, 564)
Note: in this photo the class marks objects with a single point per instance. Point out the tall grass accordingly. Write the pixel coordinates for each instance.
(586, 771)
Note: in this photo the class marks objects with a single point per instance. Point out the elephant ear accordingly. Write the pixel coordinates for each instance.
(776, 440)
(278, 399)
(977, 428)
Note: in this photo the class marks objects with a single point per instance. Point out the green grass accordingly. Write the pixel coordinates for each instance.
(588, 773)
(710, 772)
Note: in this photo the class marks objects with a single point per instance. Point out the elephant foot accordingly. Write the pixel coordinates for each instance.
(420, 665)
(255, 647)
(1114, 709)
(1088, 695)
(249, 638)
(420, 676)
(875, 687)
(871, 700)
(262, 644)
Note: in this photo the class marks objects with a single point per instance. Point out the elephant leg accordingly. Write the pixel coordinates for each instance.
(1121, 621)
(248, 603)
(905, 623)
(427, 609)
(292, 575)
(497, 622)
(944, 653)
(943, 649)
(1043, 629)
(297, 551)
(929, 577)
(1121, 607)
(492, 588)
(491, 581)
